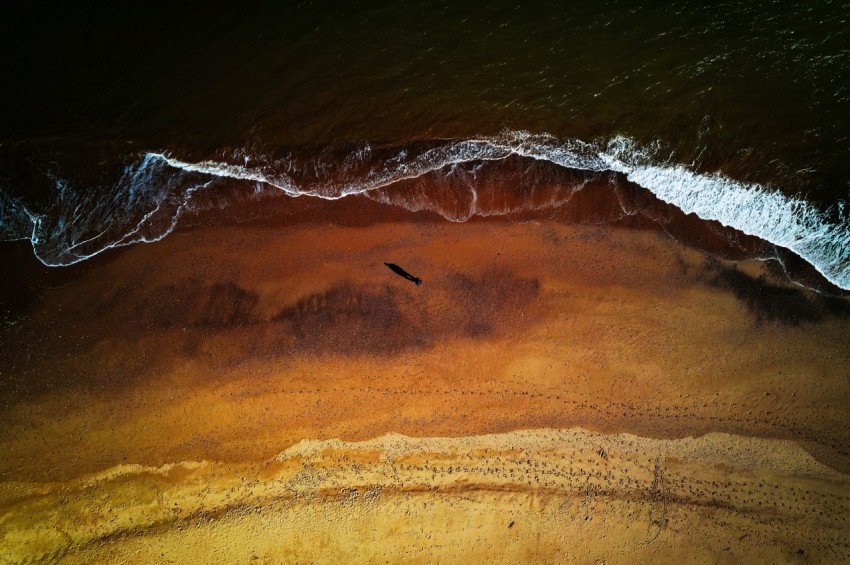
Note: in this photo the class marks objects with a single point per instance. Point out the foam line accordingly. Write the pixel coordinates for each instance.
(149, 199)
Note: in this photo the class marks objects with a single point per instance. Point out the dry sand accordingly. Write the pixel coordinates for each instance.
(176, 402)
(529, 496)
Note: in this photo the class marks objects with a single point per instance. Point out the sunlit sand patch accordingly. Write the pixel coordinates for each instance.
(547, 495)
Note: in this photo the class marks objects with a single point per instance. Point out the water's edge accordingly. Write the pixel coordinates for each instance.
(148, 200)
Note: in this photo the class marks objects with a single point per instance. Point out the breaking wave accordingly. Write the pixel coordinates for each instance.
(148, 201)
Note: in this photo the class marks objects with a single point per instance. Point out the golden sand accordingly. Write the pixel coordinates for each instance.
(181, 400)
(539, 495)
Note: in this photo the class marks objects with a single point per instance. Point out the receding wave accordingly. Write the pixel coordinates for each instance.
(148, 201)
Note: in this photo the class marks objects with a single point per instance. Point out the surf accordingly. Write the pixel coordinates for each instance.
(148, 201)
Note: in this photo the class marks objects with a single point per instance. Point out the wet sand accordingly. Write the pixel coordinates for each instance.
(170, 400)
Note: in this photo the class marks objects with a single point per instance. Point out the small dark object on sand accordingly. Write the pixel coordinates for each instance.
(401, 272)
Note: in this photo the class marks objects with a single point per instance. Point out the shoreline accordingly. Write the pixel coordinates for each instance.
(504, 191)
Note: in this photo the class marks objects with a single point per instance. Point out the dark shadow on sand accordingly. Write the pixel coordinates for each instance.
(402, 273)
(772, 302)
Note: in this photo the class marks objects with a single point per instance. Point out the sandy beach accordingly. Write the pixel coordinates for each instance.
(550, 393)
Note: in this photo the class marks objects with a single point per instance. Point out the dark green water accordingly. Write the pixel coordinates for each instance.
(758, 92)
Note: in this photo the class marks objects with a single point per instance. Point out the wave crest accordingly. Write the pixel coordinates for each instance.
(150, 197)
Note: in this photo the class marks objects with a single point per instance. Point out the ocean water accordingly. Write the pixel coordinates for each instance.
(117, 125)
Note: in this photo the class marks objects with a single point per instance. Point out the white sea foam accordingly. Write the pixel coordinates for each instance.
(157, 195)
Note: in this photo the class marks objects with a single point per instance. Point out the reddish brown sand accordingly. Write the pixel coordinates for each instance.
(170, 402)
